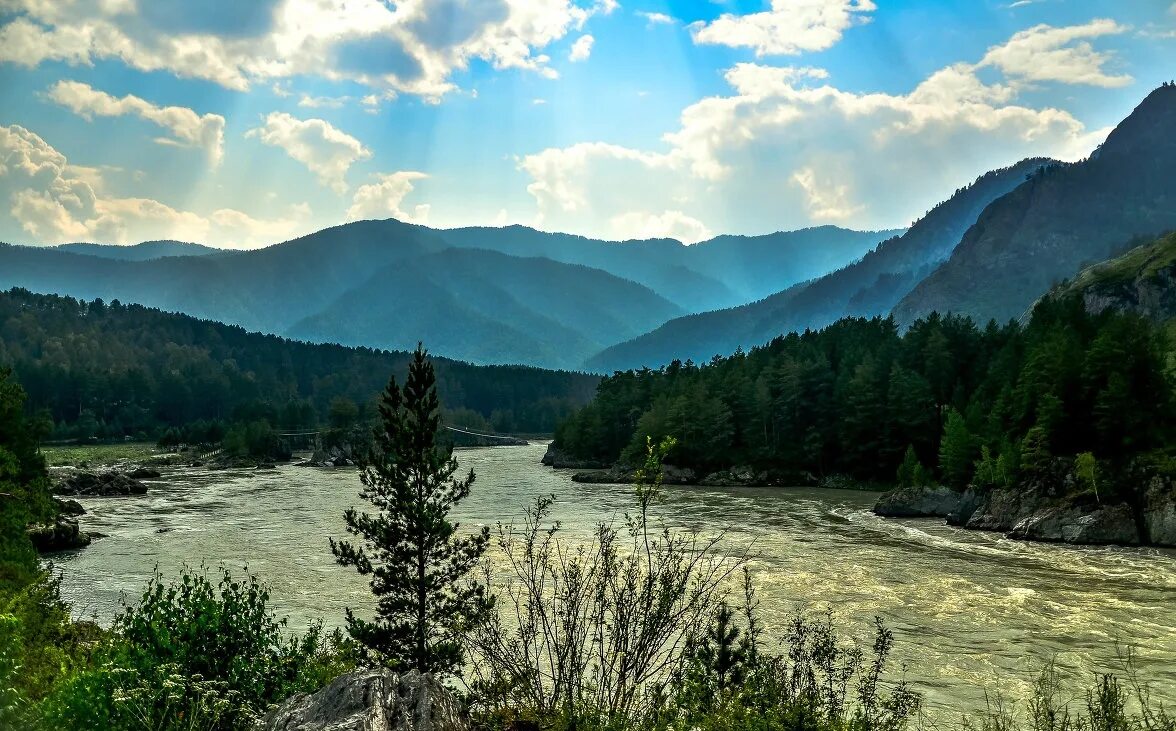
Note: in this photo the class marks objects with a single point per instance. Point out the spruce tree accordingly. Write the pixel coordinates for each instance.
(957, 451)
(418, 562)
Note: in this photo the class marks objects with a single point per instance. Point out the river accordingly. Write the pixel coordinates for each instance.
(974, 613)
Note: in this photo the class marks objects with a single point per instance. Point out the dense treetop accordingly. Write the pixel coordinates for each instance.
(852, 398)
(98, 369)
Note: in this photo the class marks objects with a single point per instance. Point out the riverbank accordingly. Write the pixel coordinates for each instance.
(1033, 515)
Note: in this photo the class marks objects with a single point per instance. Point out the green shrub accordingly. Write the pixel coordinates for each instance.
(221, 637)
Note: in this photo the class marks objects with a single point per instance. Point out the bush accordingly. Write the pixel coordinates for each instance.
(590, 634)
(194, 654)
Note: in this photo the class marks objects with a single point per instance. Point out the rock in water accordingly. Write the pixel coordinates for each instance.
(61, 535)
(918, 502)
(106, 484)
(371, 699)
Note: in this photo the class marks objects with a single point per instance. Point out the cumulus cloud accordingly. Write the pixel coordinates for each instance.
(185, 127)
(1046, 53)
(55, 202)
(789, 27)
(785, 148)
(384, 197)
(413, 46)
(581, 49)
(665, 225)
(826, 200)
(323, 148)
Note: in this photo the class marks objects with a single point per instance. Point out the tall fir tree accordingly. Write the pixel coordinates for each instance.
(418, 562)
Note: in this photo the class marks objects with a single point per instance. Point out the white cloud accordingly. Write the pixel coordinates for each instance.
(326, 150)
(384, 197)
(1046, 53)
(826, 201)
(656, 18)
(581, 49)
(55, 202)
(790, 27)
(786, 148)
(322, 102)
(187, 128)
(665, 225)
(412, 46)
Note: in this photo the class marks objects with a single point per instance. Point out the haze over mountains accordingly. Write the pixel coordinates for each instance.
(518, 295)
(1063, 218)
(511, 295)
(868, 287)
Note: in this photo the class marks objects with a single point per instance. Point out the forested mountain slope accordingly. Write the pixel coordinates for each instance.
(482, 295)
(268, 289)
(128, 369)
(144, 251)
(1063, 218)
(1142, 281)
(870, 286)
(487, 307)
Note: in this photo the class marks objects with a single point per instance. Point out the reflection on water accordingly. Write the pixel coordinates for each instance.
(972, 611)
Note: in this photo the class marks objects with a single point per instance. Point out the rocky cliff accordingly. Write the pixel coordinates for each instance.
(1036, 514)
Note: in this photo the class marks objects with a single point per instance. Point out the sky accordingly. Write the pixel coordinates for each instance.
(241, 124)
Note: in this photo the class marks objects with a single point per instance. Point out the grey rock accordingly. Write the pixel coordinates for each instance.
(106, 484)
(69, 507)
(144, 473)
(919, 502)
(561, 460)
(371, 700)
(1076, 524)
(970, 502)
(1159, 515)
(62, 534)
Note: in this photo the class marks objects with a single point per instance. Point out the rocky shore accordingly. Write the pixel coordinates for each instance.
(103, 484)
(1036, 515)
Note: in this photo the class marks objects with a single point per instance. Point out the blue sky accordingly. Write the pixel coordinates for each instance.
(242, 124)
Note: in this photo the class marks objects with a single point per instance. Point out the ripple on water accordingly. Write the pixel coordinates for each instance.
(974, 612)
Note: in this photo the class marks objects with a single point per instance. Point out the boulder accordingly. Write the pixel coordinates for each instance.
(614, 476)
(371, 700)
(105, 484)
(934, 501)
(1079, 524)
(1159, 513)
(144, 473)
(62, 534)
(69, 507)
(559, 459)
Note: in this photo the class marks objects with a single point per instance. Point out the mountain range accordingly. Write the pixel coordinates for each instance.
(869, 286)
(519, 295)
(509, 295)
(1063, 218)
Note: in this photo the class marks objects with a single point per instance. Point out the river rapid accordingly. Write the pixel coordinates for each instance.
(974, 613)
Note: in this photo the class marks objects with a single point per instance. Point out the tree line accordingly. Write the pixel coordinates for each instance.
(863, 398)
(112, 370)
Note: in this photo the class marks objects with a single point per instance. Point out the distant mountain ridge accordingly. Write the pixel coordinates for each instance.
(144, 251)
(870, 286)
(391, 284)
(1063, 218)
(486, 307)
(721, 272)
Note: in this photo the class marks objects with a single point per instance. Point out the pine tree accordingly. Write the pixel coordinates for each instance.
(418, 563)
